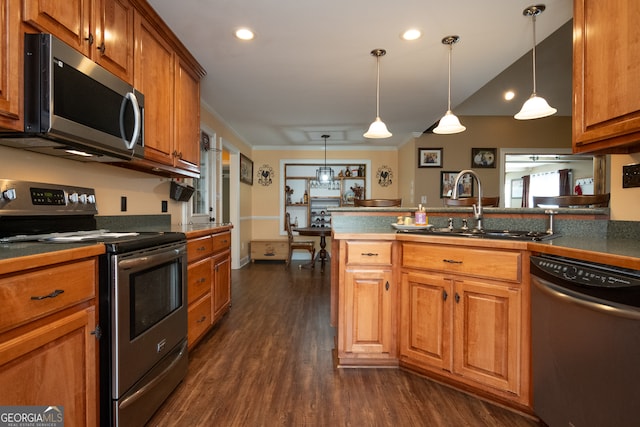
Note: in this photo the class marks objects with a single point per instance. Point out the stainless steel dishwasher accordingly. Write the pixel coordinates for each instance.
(585, 343)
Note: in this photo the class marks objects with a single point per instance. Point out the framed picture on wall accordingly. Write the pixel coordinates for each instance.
(483, 157)
(246, 170)
(429, 157)
(447, 179)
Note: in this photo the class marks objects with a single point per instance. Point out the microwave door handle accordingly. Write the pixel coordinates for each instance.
(130, 96)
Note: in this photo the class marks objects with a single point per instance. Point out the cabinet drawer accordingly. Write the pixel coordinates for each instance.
(199, 279)
(199, 319)
(221, 241)
(77, 282)
(199, 248)
(369, 253)
(491, 264)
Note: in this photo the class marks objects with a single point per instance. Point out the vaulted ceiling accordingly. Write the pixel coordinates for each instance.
(309, 70)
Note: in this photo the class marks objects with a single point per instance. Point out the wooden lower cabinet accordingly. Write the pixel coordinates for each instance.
(48, 346)
(366, 312)
(469, 331)
(208, 282)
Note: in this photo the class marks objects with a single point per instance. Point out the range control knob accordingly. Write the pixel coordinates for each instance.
(9, 194)
(570, 273)
(73, 197)
(91, 199)
(83, 198)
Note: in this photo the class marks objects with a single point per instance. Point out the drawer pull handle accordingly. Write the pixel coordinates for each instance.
(201, 248)
(452, 261)
(51, 295)
(368, 254)
(202, 319)
(201, 280)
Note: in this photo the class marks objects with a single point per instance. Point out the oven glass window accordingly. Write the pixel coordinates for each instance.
(155, 294)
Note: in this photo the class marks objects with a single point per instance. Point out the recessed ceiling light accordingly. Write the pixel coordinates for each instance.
(411, 34)
(509, 95)
(244, 34)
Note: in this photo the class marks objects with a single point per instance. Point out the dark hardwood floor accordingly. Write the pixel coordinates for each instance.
(269, 362)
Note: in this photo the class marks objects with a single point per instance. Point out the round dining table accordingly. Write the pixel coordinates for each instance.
(322, 232)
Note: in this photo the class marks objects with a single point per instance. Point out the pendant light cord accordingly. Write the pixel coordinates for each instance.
(533, 19)
(378, 86)
(449, 89)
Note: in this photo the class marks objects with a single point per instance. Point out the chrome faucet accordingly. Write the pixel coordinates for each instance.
(477, 208)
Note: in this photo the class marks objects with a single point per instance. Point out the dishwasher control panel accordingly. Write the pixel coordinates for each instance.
(586, 273)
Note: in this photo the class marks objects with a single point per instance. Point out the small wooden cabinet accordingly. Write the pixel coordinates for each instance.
(208, 282)
(606, 71)
(366, 304)
(462, 317)
(48, 347)
(100, 29)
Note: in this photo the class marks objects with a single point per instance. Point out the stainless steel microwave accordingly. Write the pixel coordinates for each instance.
(74, 108)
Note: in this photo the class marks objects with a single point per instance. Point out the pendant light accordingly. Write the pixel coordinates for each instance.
(378, 129)
(535, 107)
(449, 123)
(324, 174)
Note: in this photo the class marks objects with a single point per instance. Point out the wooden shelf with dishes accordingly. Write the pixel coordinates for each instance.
(307, 200)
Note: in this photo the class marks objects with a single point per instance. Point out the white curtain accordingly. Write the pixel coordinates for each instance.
(544, 184)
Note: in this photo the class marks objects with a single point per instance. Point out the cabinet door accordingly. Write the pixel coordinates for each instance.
(221, 284)
(154, 77)
(426, 320)
(368, 322)
(487, 336)
(606, 71)
(10, 64)
(67, 20)
(113, 47)
(187, 140)
(53, 364)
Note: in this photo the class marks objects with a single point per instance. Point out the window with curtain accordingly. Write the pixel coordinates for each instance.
(544, 184)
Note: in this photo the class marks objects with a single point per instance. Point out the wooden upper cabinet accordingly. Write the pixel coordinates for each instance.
(10, 65)
(606, 72)
(154, 77)
(114, 42)
(187, 141)
(104, 33)
(68, 20)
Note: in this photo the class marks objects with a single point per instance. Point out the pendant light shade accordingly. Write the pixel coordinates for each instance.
(535, 107)
(324, 174)
(449, 123)
(378, 129)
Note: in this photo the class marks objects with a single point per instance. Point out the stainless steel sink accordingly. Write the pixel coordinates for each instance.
(484, 234)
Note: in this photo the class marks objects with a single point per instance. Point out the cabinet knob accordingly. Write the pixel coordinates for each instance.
(101, 48)
(89, 39)
(386, 286)
(444, 295)
(457, 298)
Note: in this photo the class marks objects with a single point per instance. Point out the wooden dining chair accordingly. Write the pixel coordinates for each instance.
(594, 200)
(377, 202)
(307, 245)
(469, 201)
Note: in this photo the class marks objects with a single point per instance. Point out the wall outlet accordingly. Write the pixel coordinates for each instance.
(164, 206)
(423, 200)
(631, 176)
(123, 203)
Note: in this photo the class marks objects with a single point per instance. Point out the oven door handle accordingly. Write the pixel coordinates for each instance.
(158, 378)
(572, 297)
(147, 260)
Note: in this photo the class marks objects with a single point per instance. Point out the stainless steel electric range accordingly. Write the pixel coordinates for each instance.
(142, 293)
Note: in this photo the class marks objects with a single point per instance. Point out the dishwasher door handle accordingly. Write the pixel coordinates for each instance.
(586, 301)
